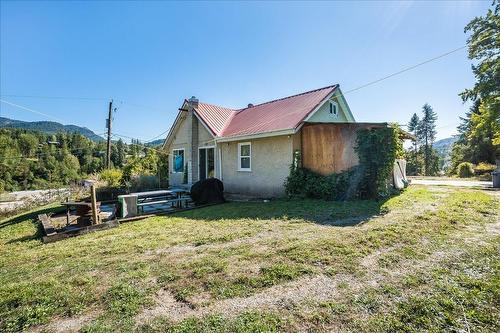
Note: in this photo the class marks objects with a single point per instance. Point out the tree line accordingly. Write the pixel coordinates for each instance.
(35, 160)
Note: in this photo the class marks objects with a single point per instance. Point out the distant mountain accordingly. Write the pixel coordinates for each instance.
(155, 143)
(445, 144)
(49, 127)
(443, 148)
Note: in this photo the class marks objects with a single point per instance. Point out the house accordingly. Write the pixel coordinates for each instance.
(251, 149)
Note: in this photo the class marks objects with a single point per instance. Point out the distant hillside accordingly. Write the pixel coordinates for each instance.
(155, 143)
(443, 148)
(444, 145)
(49, 127)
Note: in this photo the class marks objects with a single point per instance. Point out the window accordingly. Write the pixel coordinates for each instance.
(334, 109)
(178, 160)
(244, 156)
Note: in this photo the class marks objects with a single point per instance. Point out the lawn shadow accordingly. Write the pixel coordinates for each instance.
(331, 213)
(32, 216)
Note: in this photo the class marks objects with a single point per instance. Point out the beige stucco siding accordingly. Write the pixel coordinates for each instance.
(182, 140)
(204, 136)
(270, 163)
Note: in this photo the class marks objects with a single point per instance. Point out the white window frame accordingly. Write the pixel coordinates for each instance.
(183, 162)
(336, 107)
(249, 169)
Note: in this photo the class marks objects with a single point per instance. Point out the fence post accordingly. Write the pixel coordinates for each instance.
(94, 204)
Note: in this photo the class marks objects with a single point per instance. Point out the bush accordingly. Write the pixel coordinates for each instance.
(465, 170)
(484, 168)
(112, 177)
(143, 183)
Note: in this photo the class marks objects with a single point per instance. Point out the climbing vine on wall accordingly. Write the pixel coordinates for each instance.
(377, 149)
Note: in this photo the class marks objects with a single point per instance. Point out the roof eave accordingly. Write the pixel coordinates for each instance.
(288, 131)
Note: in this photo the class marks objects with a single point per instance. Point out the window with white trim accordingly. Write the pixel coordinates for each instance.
(334, 109)
(178, 160)
(245, 156)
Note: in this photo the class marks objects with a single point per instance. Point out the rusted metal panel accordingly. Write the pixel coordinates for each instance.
(329, 148)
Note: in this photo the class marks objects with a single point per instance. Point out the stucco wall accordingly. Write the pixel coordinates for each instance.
(271, 159)
(182, 139)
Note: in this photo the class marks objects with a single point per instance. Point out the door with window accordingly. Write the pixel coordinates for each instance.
(206, 163)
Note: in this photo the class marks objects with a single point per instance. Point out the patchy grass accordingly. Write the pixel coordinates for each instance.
(421, 261)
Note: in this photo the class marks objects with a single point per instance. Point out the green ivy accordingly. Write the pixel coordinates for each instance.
(376, 148)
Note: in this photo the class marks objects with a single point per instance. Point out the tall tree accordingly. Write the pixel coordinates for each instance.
(480, 129)
(427, 134)
(413, 157)
(413, 128)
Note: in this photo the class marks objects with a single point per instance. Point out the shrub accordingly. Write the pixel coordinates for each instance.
(143, 183)
(112, 177)
(484, 168)
(465, 170)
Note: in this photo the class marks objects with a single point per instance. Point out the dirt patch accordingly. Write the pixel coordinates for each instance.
(72, 324)
(285, 296)
(165, 304)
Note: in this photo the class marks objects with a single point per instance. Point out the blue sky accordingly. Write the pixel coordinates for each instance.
(149, 56)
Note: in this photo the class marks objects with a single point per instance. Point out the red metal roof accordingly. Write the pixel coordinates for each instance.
(281, 114)
(216, 117)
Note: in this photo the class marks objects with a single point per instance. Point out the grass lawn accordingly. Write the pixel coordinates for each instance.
(427, 260)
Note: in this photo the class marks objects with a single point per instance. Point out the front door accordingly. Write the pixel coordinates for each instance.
(207, 163)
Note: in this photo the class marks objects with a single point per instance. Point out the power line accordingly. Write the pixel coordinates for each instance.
(139, 144)
(380, 79)
(55, 97)
(31, 110)
(406, 69)
(159, 135)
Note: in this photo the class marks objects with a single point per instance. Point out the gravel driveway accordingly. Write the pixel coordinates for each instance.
(453, 182)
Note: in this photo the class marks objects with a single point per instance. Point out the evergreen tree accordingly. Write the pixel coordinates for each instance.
(413, 128)
(426, 135)
(414, 162)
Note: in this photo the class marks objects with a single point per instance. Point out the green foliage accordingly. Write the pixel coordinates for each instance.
(246, 322)
(112, 177)
(377, 149)
(480, 128)
(465, 170)
(484, 169)
(423, 159)
(304, 183)
(34, 160)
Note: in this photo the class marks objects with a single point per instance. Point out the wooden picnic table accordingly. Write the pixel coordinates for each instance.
(135, 201)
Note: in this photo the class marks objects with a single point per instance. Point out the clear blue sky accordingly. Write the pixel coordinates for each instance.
(152, 55)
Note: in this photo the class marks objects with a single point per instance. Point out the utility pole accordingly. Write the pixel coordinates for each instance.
(108, 125)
